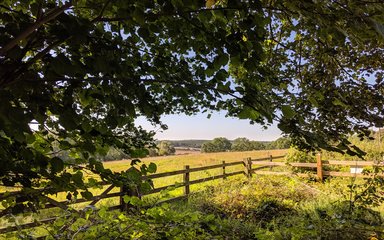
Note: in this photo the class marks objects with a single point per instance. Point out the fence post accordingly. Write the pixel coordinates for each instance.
(224, 176)
(186, 180)
(248, 166)
(245, 163)
(124, 190)
(270, 160)
(319, 167)
(127, 191)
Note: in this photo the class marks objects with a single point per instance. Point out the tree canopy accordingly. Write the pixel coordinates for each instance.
(165, 148)
(219, 144)
(280, 143)
(74, 75)
(242, 144)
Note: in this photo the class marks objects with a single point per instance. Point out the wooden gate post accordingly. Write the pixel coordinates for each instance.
(245, 163)
(270, 160)
(124, 190)
(248, 167)
(127, 191)
(224, 176)
(186, 180)
(319, 167)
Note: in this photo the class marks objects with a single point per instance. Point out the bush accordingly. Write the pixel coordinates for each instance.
(241, 144)
(216, 145)
(295, 155)
(165, 148)
(280, 143)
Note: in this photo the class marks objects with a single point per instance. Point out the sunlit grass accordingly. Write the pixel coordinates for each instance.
(164, 164)
(177, 162)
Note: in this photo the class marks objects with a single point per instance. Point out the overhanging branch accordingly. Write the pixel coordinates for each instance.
(23, 35)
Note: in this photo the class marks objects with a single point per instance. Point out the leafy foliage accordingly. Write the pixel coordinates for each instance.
(166, 148)
(289, 208)
(373, 147)
(280, 143)
(82, 71)
(188, 143)
(328, 70)
(163, 148)
(295, 155)
(219, 144)
(154, 223)
(241, 144)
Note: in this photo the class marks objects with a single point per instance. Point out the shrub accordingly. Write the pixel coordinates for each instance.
(165, 148)
(295, 155)
(219, 144)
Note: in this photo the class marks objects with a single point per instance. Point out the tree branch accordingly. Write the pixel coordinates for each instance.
(51, 15)
(101, 12)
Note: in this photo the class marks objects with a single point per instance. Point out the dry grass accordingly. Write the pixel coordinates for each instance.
(164, 164)
(176, 162)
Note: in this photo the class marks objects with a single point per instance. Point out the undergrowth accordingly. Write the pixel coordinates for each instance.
(265, 207)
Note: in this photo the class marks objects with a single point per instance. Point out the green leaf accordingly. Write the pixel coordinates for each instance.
(30, 138)
(67, 120)
(143, 32)
(135, 201)
(145, 187)
(313, 101)
(288, 112)
(133, 174)
(152, 168)
(86, 195)
(57, 165)
(59, 222)
(103, 212)
(86, 126)
(221, 61)
(78, 178)
(338, 102)
(138, 16)
(126, 198)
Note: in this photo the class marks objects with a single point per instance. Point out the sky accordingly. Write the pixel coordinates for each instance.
(182, 127)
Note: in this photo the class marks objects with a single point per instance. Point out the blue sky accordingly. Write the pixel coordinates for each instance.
(200, 127)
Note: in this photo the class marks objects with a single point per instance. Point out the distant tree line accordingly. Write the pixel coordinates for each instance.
(163, 148)
(192, 143)
(222, 144)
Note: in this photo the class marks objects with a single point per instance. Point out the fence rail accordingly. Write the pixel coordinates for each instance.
(252, 166)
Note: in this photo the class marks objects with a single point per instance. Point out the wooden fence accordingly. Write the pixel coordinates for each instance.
(251, 167)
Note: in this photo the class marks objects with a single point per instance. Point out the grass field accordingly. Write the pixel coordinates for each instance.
(164, 164)
(176, 162)
(264, 207)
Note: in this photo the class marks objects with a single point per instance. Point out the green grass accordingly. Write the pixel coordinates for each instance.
(164, 164)
(270, 207)
(264, 207)
(176, 162)
(281, 207)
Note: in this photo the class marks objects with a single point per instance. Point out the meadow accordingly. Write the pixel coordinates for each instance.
(176, 162)
(164, 164)
(264, 207)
